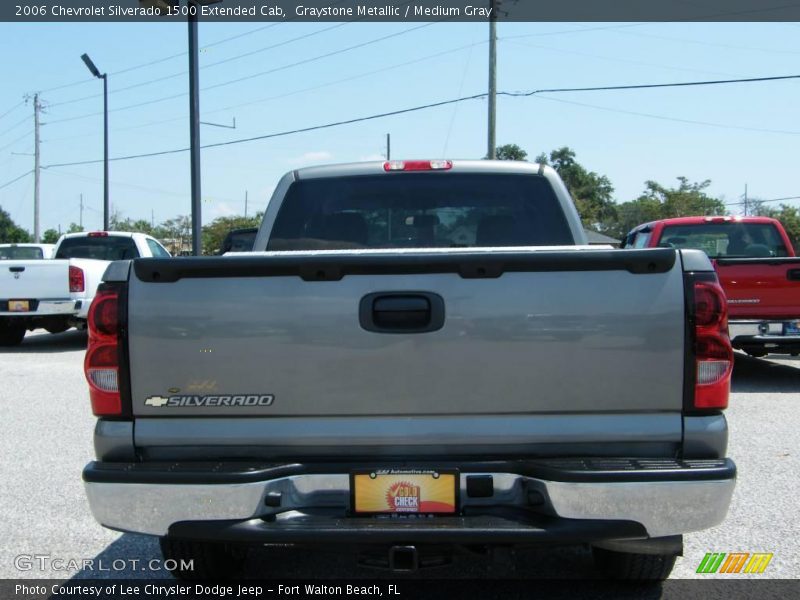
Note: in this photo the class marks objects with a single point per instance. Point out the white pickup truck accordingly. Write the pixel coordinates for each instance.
(56, 294)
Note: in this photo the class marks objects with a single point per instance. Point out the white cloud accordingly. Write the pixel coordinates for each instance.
(313, 157)
(220, 209)
(372, 157)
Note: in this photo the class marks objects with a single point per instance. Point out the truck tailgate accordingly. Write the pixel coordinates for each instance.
(523, 332)
(761, 287)
(34, 280)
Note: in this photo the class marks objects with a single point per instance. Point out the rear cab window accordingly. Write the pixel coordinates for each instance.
(726, 240)
(420, 210)
(639, 239)
(157, 249)
(111, 247)
(21, 253)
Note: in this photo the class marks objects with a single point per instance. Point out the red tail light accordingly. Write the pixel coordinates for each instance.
(713, 352)
(101, 365)
(76, 280)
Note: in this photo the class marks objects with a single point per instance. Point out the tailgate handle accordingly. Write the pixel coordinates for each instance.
(793, 275)
(16, 269)
(401, 312)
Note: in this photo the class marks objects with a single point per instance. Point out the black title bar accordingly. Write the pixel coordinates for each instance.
(398, 10)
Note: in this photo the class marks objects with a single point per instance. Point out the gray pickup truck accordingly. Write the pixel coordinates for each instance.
(418, 357)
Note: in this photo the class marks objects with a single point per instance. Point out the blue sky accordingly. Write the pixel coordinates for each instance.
(751, 133)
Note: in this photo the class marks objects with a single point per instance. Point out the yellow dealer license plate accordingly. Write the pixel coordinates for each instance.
(19, 306)
(404, 491)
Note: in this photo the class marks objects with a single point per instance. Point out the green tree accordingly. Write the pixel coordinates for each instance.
(510, 152)
(659, 202)
(50, 236)
(686, 200)
(117, 223)
(74, 228)
(175, 234)
(592, 193)
(214, 233)
(10, 232)
(789, 216)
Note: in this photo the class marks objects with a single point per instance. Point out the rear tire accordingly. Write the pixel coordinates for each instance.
(57, 328)
(633, 567)
(196, 560)
(11, 335)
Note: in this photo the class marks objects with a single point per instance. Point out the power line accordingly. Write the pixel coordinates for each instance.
(656, 85)
(207, 66)
(291, 93)
(578, 30)
(666, 118)
(163, 59)
(8, 183)
(322, 56)
(12, 109)
(254, 75)
(757, 201)
(595, 56)
(11, 143)
(483, 95)
(15, 125)
(704, 43)
(282, 133)
(178, 54)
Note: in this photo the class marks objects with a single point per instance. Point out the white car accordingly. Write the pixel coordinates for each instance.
(56, 294)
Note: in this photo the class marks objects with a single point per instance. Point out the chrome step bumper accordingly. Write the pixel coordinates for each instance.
(272, 504)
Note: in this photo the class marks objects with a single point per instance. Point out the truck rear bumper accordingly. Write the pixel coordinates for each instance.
(44, 308)
(554, 500)
(765, 335)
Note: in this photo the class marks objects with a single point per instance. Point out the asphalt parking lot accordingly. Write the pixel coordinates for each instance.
(45, 440)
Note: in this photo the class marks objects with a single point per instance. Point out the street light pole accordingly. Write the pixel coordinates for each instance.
(106, 205)
(104, 76)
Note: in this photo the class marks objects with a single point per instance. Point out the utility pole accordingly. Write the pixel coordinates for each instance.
(245, 204)
(388, 146)
(491, 154)
(80, 222)
(152, 219)
(36, 168)
(745, 199)
(194, 127)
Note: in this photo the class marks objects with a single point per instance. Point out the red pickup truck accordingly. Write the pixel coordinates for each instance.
(758, 269)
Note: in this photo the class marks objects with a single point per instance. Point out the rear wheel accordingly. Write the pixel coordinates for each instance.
(633, 567)
(195, 560)
(11, 335)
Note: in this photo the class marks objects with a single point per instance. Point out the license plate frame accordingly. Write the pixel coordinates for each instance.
(19, 306)
(404, 492)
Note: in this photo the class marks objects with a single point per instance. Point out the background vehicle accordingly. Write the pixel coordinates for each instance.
(26, 251)
(56, 294)
(758, 269)
(413, 337)
(239, 240)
